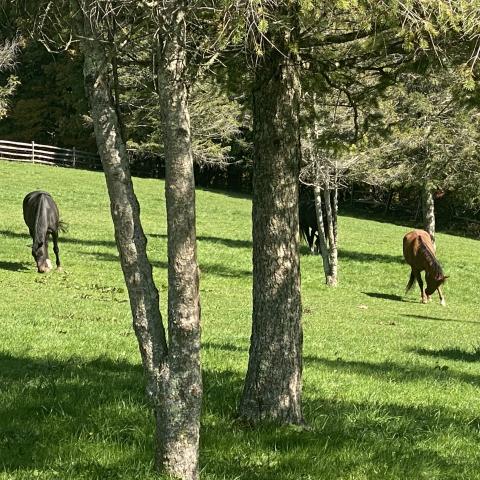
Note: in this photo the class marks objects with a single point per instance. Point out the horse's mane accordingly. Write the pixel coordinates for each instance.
(40, 227)
(432, 260)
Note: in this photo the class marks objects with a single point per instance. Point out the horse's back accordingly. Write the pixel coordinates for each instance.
(40, 199)
(412, 242)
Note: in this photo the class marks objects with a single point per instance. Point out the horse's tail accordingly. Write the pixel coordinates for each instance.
(62, 226)
(410, 282)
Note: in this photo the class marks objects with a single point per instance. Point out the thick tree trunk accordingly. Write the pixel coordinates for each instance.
(428, 208)
(273, 383)
(332, 278)
(125, 210)
(321, 232)
(179, 436)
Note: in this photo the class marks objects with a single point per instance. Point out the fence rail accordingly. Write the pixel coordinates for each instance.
(47, 154)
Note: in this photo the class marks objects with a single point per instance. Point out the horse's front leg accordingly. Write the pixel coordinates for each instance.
(55, 249)
(443, 303)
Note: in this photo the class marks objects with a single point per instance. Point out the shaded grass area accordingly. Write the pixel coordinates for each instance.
(390, 385)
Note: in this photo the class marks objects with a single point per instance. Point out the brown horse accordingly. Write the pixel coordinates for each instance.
(419, 253)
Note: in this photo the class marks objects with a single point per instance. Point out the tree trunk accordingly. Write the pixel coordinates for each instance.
(321, 232)
(335, 215)
(428, 208)
(179, 436)
(332, 278)
(174, 379)
(125, 211)
(273, 383)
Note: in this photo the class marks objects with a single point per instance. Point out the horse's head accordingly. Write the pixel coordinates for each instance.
(433, 282)
(40, 254)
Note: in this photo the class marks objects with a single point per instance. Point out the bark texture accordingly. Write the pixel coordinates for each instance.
(125, 211)
(174, 379)
(273, 384)
(182, 382)
(428, 208)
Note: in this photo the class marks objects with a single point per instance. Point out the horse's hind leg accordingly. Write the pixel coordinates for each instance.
(310, 240)
(55, 248)
(418, 276)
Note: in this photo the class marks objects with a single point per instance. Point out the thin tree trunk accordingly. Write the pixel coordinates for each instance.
(273, 383)
(335, 214)
(332, 279)
(321, 232)
(125, 211)
(180, 434)
(428, 208)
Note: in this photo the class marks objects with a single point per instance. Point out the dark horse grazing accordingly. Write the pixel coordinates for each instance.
(41, 216)
(419, 253)
(307, 217)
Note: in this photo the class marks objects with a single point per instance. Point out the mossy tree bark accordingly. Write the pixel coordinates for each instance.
(173, 369)
(273, 384)
(183, 384)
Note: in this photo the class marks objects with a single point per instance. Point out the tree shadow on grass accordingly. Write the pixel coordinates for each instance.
(62, 239)
(228, 242)
(344, 439)
(437, 319)
(52, 409)
(14, 266)
(397, 371)
(401, 373)
(450, 354)
(216, 269)
(369, 257)
(71, 414)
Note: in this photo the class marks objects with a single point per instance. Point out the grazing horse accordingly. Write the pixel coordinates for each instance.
(307, 217)
(40, 213)
(419, 253)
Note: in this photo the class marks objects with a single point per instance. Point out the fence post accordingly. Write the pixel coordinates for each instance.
(33, 151)
(74, 157)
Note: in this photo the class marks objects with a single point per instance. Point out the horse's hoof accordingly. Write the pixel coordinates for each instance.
(59, 269)
(443, 303)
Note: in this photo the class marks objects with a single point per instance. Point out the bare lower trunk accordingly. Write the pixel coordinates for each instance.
(428, 207)
(321, 232)
(179, 435)
(332, 278)
(273, 383)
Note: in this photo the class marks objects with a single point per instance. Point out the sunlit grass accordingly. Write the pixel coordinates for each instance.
(391, 386)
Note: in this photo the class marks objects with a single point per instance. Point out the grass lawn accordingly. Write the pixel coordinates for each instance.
(391, 386)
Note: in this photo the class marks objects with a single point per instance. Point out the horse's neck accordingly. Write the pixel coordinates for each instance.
(433, 266)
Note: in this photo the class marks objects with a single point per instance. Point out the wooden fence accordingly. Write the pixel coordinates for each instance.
(48, 155)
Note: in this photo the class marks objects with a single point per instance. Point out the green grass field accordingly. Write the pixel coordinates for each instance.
(391, 386)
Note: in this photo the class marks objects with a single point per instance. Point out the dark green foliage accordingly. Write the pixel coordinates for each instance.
(49, 105)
